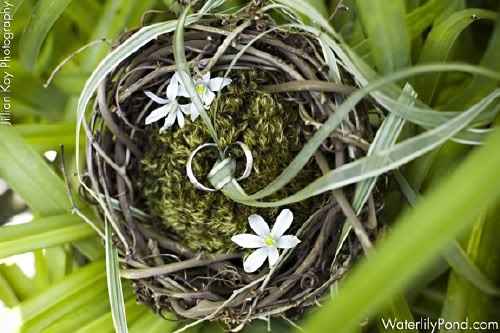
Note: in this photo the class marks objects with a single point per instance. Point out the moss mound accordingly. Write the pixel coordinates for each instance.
(203, 221)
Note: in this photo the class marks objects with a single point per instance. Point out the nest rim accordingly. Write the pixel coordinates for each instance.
(175, 286)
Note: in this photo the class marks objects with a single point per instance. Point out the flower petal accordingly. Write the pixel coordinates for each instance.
(273, 256)
(173, 88)
(185, 108)
(283, 222)
(155, 98)
(180, 118)
(183, 92)
(287, 242)
(208, 97)
(206, 78)
(157, 114)
(194, 112)
(259, 225)
(248, 241)
(169, 121)
(219, 83)
(255, 260)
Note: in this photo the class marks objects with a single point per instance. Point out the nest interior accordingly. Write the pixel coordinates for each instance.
(175, 239)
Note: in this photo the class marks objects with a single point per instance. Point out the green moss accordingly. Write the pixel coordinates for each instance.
(206, 221)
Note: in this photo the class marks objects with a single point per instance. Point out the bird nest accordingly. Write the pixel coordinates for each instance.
(174, 233)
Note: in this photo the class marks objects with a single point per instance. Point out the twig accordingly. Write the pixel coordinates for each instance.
(142, 273)
(74, 208)
(70, 57)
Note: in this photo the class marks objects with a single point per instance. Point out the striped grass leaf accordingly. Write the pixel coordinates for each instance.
(104, 323)
(45, 14)
(22, 285)
(152, 323)
(182, 68)
(115, 290)
(94, 308)
(81, 279)
(437, 219)
(384, 24)
(7, 294)
(68, 305)
(24, 170)
(462, 265)
(43, 137)
(478, 86)
(483, 249)
(369, 166)
(114, 17)
(386, 137)
(455, 256)
(439, 43)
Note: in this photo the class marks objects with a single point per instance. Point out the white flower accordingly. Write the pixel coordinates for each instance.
(205, 88)
(171, 110)
(267, 242)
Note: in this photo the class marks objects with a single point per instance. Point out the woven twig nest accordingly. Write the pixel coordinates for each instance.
(175, 239)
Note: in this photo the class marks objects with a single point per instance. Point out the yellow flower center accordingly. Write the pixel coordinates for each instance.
(269, 241)
(200, 89)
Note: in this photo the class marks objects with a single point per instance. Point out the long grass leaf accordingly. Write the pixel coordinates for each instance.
(45, 14)
(435, 221)
(7, 294)
(439, 43)
(115, 289)
(384, 24)
(478, 87)
(51, 314)
(25, 170)
(463, 266)
(455, 256)
(184, 73)
(386, 137)
(104, 324)
(79, 280)
(32, 236)
(365, 167)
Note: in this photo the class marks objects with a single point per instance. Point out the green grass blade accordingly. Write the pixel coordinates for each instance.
(454, 254)
(463, 266)
(423, 16)
(484, 249)
(386, 137)
(184, 73)
(7, 294)
(51, 314)
(47, 232)
(88, 312)
(153, 323)
(79, 280)
(478, 87)
(115, 290)
(45, 14)
(111, 23)
(435, 221)
(369, 166)
(20, 283)
(24, 170)
(104, 324)
(338, 177)
(384, 24)
(439, 43)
